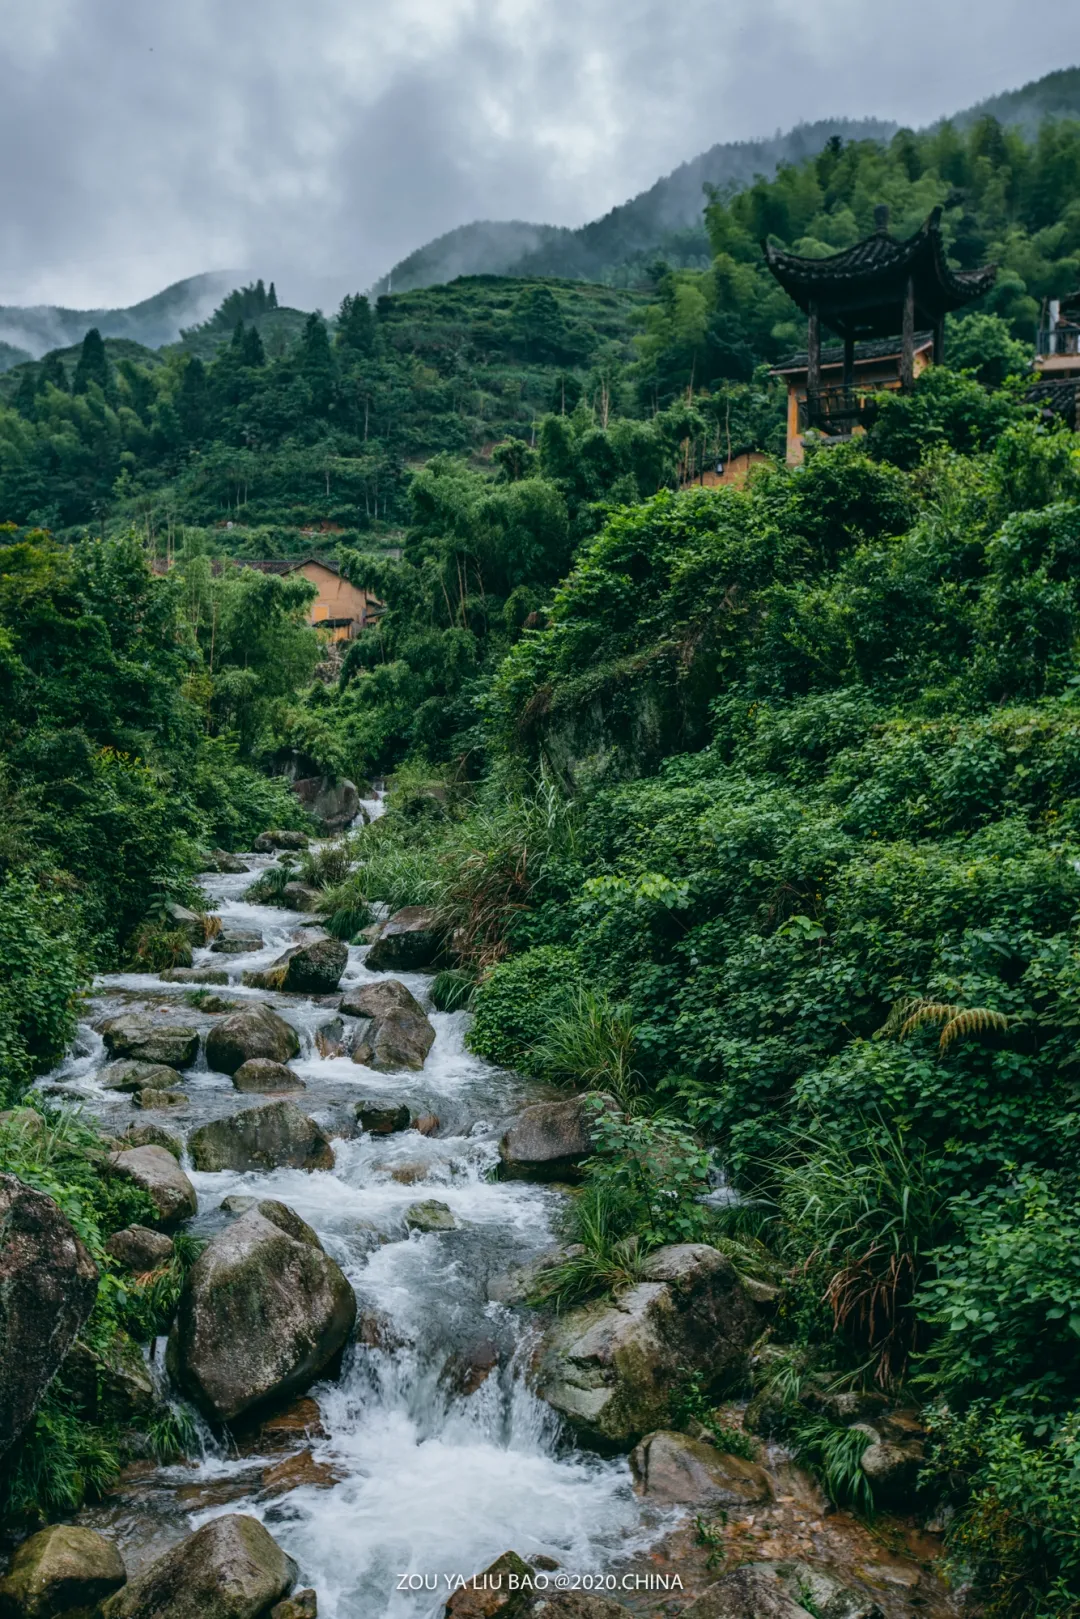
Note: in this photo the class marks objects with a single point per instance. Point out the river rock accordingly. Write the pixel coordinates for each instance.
(426, 1124)
(195, 975)
(230, 865)
(893, 1471)
(263, 1313)
(139, 1249)
(152, 1135)
(675, 1470)
(431, 1215)
(190, 923)
(333, 803)
(257, 1031)
(306, 969)
(300, 897)
(787, 1590)
(576, 1605)
(379, 999)
(266, 1078)
(112, 1386)
(128, 1076)
(273, 1136)
(400, 1040)
(158, 1173)
(548, 1141)
(231, 1568)
(408, 942)
(48, 1283)
(382, 1116)
(490, 1592)
(160, 1101)
(298, 1471)
(236, 943)
(610, 1366)
(58, 1570)
(301, 1605)
(279, 838)
(139, 1035)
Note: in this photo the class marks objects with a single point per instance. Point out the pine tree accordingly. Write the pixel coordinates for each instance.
(53, 372)
(317, 362)
(26, 393)
(251, 349)
(93, 364)
(271, 297)
(356, 329)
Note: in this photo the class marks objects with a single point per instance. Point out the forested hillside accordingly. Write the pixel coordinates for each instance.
(751, 816)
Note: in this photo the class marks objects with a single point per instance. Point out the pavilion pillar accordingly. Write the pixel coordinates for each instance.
(939, 340)
(907, 342)
(813, 352)
(849, 363)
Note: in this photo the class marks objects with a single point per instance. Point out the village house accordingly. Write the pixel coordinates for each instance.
(341, 608)
(1057, 361)
(886, 300)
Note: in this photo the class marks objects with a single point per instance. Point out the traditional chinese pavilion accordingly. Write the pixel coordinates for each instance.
(886, 300)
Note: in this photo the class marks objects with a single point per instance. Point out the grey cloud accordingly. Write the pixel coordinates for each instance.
(317, 141)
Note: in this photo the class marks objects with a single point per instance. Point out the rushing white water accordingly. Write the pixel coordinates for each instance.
(439, 1472)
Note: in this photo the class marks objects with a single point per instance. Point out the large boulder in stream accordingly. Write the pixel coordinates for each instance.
(237, 942)
(408, 942)
(306, 969)
(609, 1368)
(158, 1173)
(279, 838)
(266, 1078)
(273, 1136)
(60, 1570)
(335, 804)
(548, 1141)
(674, 1470)
(257, 1031)
(396, 1035)
(140, 1036)
(263, 1313)
(128, 1076)
(231, 1568)
(48, 1283)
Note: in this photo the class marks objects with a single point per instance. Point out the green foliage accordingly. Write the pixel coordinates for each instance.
(515, 1001)
(834, 1454)
(1014, 1537)
(693, 1404)
(60, 1462)
(590, 1045)
(653, 1173)
(40, 977)
(452, 990)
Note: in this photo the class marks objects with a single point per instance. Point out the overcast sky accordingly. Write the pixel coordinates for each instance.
(146, 140)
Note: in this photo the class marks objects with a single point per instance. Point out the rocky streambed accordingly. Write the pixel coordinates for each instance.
(377, 1415)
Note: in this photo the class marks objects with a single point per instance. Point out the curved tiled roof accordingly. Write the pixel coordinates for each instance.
(860, 287)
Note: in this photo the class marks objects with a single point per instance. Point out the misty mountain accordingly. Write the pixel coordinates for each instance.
(28, 333)
(666, 219)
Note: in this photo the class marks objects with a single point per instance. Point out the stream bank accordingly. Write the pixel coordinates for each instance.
(431, 1454)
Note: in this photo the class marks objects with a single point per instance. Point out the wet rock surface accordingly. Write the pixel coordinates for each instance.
(609, 1368)
(257, 1031)
(129, 1076)
(677, 1470)
(231, 1568)
(263, 1313)
(48, 1283)
(139, 1249)
(548, 1141)
(408, 942)
(159, 1174)
(142, 1037)
(265, 1137)
(264, 1077)
(60, 1570)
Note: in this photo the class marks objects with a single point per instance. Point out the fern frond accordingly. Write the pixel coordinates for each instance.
(920, 1012)
(976, 1020)
(957, 1021)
